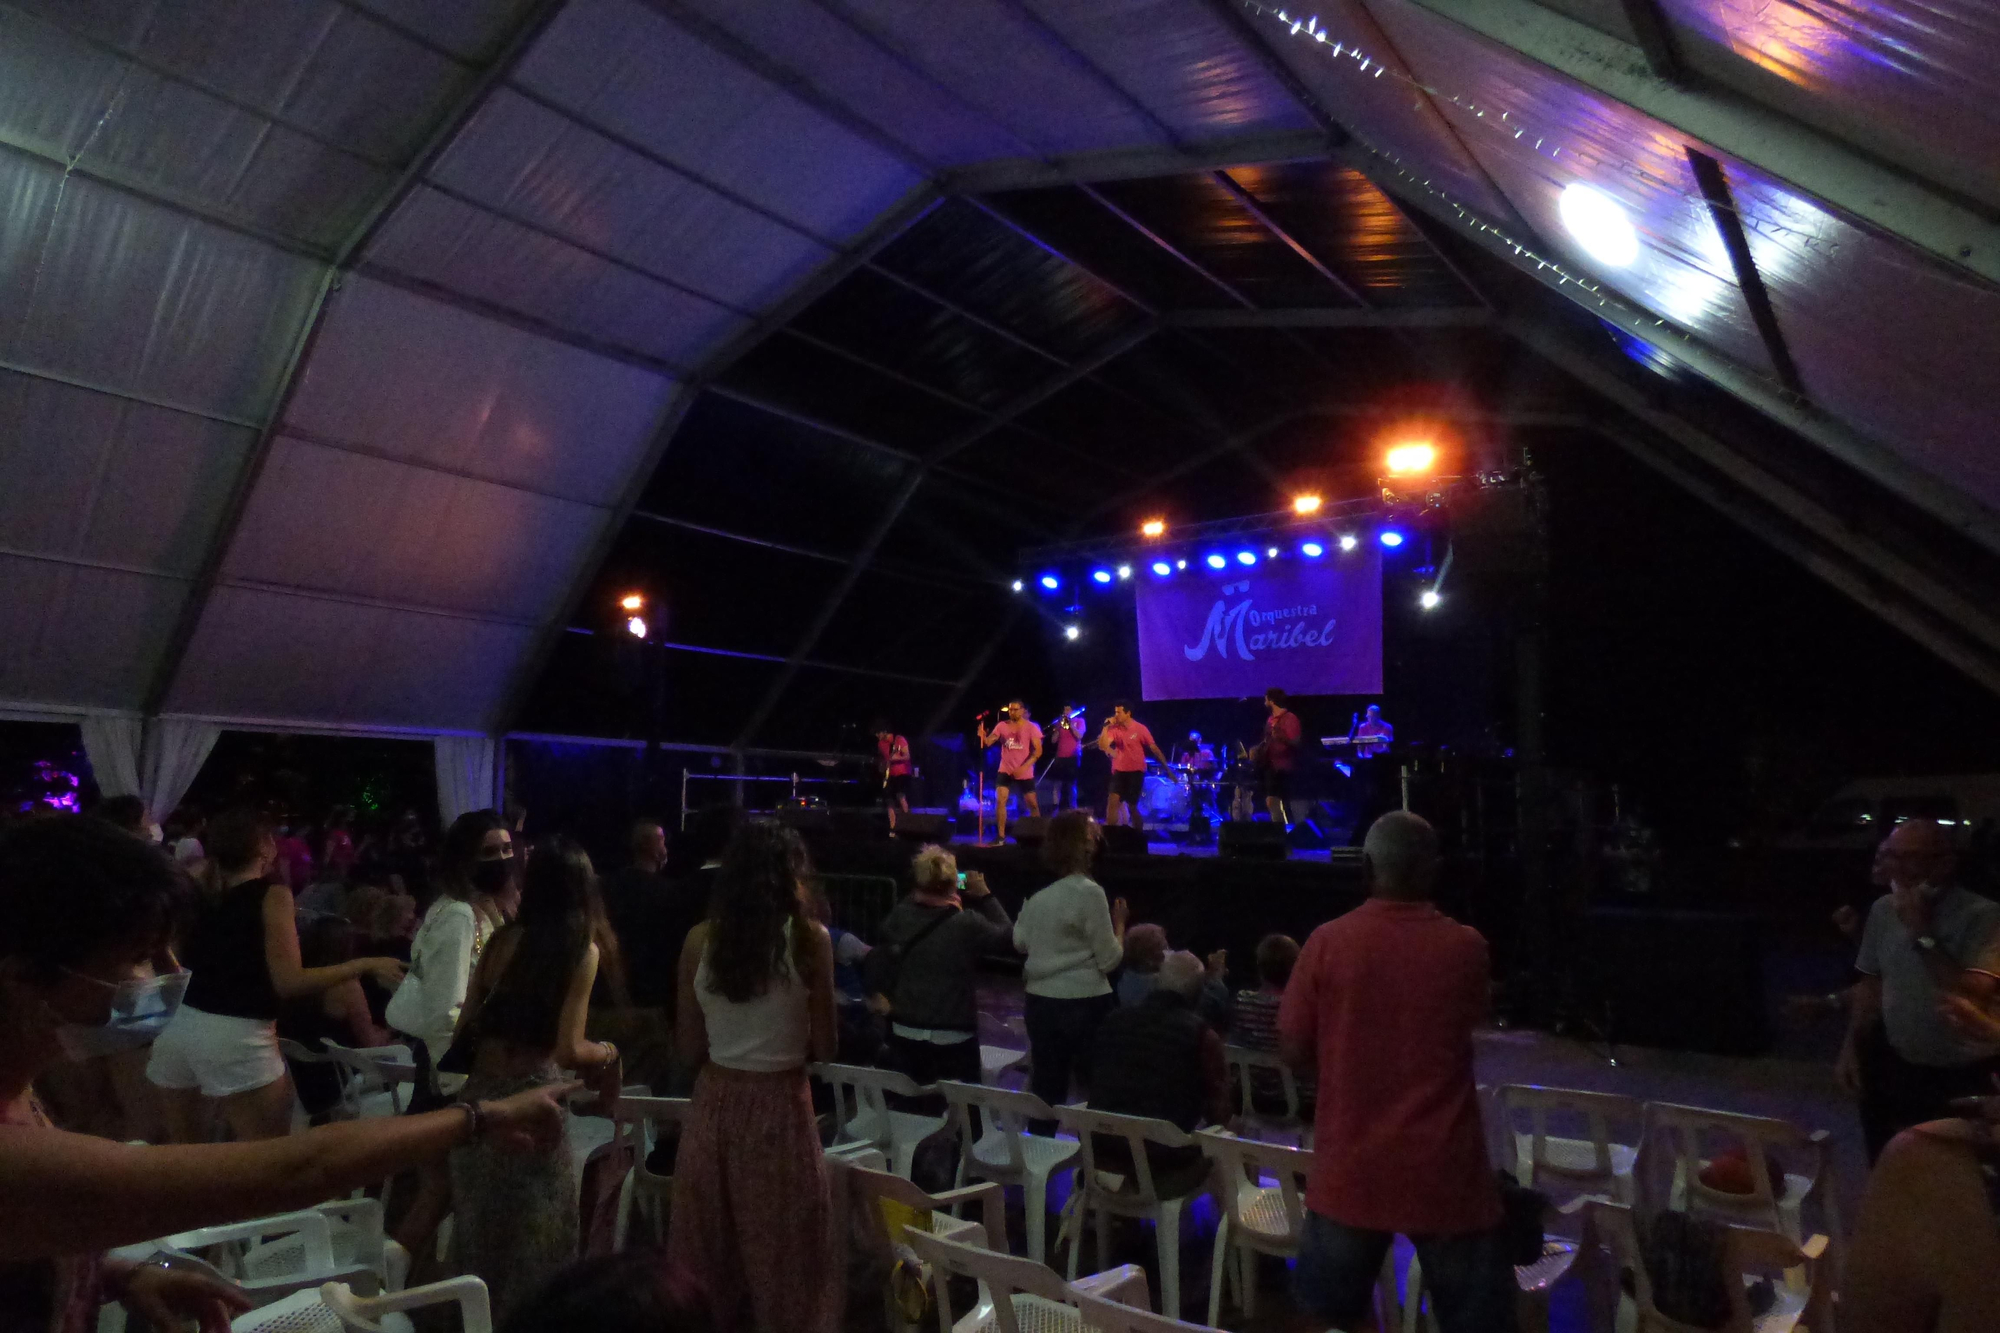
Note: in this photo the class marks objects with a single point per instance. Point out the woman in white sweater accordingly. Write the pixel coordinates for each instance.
(1074, 939)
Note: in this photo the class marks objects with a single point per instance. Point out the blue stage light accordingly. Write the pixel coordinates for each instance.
(1312, 550)
(1391, 538)
(1246, 557)
(1051, 582)
(1162, 568)
(1218, 561)
(1101, 575)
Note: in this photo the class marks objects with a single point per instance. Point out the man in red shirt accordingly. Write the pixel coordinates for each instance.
(1126, 740)
(1020, 743)
(892, 755)
(1069, 745)
(1382, 1004)
(1278, 753)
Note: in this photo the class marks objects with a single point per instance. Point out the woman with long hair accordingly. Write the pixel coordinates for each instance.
(84, 909)
(523, 1024)
(242, 955)
(752, 1220)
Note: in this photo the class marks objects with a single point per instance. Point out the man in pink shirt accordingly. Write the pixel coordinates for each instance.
(1020, 743)
(892, 755)
(1069, 745)
(1127, 741)
(1382, 1004)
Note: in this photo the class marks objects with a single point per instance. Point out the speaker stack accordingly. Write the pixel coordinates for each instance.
(1246, 840)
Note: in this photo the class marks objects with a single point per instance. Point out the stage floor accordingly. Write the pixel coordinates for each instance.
(1197, 850)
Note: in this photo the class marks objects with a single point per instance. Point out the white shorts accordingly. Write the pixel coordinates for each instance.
(216, 1053)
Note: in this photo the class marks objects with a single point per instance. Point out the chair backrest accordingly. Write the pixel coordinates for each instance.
(1596, 1113)
(1007, 1111)
(1246, 1159)
(369, 1069)
(1693, 1133)
(863, 1089)
(873, 1188)
(1136, 1130)
(363, 1314)
(1003, 1274)
(601, 1193)
(272, 1257)
(1243, 1059)
(1103, 1316)
(1752, 1252)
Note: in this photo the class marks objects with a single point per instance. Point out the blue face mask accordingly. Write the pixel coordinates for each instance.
(140, 1008)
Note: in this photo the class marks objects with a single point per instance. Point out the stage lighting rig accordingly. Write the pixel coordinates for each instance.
(1153, 527)
(1306, 504)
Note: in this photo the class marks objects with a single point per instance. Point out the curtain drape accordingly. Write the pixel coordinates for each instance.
(174, 751)
(464, 775)
(112, 745)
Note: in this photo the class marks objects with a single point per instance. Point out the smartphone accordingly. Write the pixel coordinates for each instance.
(961, 879)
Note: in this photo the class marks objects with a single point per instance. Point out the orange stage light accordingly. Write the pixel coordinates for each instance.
(632, 601)
(1305, 504)
(1153, 527)
(1408, 459)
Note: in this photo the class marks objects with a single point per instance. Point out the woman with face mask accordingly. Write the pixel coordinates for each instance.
(242, 953)
(84, 909)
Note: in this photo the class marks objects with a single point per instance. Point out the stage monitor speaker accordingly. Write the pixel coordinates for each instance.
(1248, 841)
(861, 822)
(1030, 830)
(1124, 840)
(924, 828)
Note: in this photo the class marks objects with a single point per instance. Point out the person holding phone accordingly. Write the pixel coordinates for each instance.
(922, 973)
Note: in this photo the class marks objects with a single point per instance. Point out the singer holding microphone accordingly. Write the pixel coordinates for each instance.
(1020, 743)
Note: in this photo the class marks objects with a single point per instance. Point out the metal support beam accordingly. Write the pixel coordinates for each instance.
(894, 571)
(1804, 158)
(1415, 317)
(859, 564)
(1118, 164)
(1194, 266)
(1256, 210)
(1656, 39)
(1722, 210)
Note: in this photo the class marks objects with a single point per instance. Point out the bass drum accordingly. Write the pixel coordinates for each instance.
(1165, 800)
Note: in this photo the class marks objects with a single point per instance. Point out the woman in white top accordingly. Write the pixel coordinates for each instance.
(1074, 940)
(752, 1220)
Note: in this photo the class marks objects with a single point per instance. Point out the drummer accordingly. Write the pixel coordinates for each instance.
(1127, 741)
(1197, 757)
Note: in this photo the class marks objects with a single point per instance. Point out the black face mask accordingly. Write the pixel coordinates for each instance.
(491, 877)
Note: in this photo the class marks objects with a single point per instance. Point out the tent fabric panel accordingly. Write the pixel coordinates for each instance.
(91, 477)
(1536, 134)
(1383, 111)
(441, 240)
(111, 290)
(259, 653)
(799, 376)
(326, 520)
(1886, 338)
(82, 636)
(424, 382)
(522, 159)
(624, 67)
(470, 29)
(844, 64)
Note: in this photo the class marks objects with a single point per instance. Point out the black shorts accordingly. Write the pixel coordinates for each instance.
(1128, 786)
(895, 785)
(1062, 769)
(1277, 783)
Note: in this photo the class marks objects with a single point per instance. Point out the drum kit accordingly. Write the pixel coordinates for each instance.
(1183, 794)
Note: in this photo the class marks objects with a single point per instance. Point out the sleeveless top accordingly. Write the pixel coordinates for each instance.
(763, 1034)
(225, 954)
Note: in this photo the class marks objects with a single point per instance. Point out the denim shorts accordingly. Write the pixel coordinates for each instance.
(1468, 1278)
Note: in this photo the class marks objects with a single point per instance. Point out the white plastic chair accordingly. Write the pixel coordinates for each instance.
(896, 1133)
(334, 1308)
(1108, 1316)
(1256, 1218)
(1691, 1132)
(1006, 1152)
(1242, 1060)
(1110, 1192)
(893, 1206)
(648, 1194)
(1595, 1166)
(997, 1060)
(273, 1257)
(373, 1077)
(1018, 1295)
(1533, 1281)
(1798, 1302)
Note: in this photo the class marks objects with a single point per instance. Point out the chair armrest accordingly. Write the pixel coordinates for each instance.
(1125, 1284)
(992, 1201)
(469, 1289)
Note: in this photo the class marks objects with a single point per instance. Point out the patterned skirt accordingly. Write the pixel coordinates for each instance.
(515, 1216)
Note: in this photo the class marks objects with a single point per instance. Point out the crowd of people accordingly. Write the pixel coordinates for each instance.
(171, 975)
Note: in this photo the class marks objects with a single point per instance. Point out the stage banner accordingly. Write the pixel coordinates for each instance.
(1308, 626)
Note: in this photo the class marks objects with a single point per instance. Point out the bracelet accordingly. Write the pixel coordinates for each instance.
(610, 1059)
(475, 1121)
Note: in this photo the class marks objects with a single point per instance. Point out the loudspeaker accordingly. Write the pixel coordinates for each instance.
(1124, 840)
(924, 828)
(860, 822)
(1030, 830)
(1249, 841)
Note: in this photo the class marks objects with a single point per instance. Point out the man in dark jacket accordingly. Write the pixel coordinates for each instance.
(931, 942)
(1159, 1059)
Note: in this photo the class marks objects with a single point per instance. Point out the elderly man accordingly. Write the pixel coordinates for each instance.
(1158, 1058)
(923, 972)
(1926, 940)
(1382, 1003)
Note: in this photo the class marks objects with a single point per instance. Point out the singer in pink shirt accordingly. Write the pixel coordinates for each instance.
(1127, 741)
(1020, 743)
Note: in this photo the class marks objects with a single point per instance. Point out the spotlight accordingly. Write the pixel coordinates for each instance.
(1246, 557)
(1347, 541)
(1071, 632)
(1162, 568)
(1180, 564)
(1312, 550)
(1429, 600)
(1051, 582)
(1599, 224)
(636, 627)
(1305, 504)
(1271, 554)
(1153, 527)
(1417, 456)
(1100, 575)
(1017, 585)
(1391, 538)
(1218, 561)
(1124, 571)
(633, 601)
